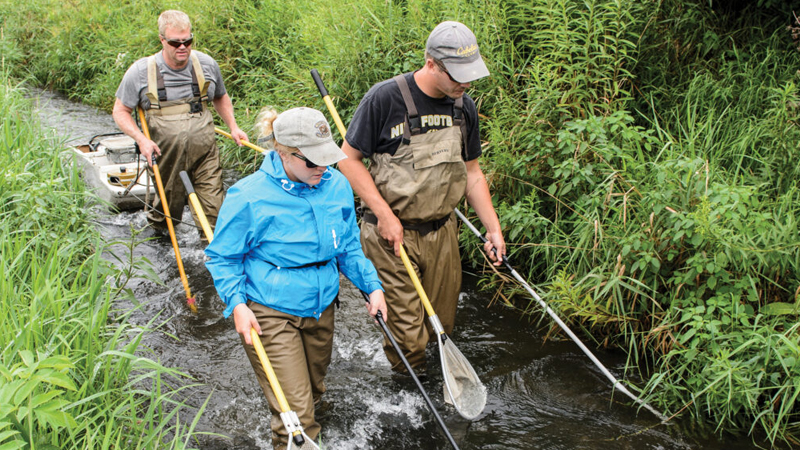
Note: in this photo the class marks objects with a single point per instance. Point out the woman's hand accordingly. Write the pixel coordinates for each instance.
(377, 303)
(244, 319)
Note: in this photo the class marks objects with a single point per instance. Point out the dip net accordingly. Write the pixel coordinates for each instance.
(462, 387)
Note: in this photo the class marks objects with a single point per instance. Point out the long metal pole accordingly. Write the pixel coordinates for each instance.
(399, 351)
(615, 382)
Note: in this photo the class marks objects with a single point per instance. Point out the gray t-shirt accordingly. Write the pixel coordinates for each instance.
(132, 90)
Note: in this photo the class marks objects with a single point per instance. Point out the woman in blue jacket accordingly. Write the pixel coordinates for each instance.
(283, 235)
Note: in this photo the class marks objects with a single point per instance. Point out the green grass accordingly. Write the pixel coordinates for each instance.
(71, 372)
(642, 157)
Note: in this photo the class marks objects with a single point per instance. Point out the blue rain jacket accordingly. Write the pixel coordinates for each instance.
(271, 230)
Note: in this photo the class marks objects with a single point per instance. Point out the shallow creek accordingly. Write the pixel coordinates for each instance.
(541, 395)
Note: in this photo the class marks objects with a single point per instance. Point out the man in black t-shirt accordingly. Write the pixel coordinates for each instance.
(420, 132)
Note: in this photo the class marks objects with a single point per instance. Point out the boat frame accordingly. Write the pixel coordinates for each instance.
(115, 171)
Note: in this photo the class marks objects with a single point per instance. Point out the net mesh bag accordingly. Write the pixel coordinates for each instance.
(466, 392)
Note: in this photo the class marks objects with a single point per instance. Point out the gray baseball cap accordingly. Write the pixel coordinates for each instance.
(455, 45)
(307, 130)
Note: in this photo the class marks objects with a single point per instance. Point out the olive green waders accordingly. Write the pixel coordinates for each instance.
(184, 131)
(187, 143)
(422, 182)
(299, 349)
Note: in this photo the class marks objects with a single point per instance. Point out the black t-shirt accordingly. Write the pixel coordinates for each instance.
(377, 125)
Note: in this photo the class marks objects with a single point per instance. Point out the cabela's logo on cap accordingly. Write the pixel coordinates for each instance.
(469, 51)
(322, 129)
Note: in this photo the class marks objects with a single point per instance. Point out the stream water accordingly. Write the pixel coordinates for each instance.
(541, 395)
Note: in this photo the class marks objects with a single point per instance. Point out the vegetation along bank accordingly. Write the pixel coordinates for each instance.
(70, 374)
(643, 157)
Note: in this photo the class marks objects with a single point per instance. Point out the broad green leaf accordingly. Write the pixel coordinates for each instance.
(45, 397)
(57, 362)
(655, 263)
(13, 445)
(55, 417)
(7, 434)
(7, 390)
(57, 378)
(27, 357)
(688, 335)
(780, 309)
(24, 391)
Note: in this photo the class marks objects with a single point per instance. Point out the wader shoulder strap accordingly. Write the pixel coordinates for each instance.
(413, 122)
(458, 111)
(461, 122)
(156, 92)
(199, 82)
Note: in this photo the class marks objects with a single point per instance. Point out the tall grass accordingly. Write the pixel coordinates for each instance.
(642, 156)
(71, 376)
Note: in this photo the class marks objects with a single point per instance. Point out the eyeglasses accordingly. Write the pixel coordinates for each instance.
(177, 43)
(309, 164)
(441, 67)
(451, 77)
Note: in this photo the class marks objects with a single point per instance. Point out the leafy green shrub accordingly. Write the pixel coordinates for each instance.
(69, 374)
(642, 156)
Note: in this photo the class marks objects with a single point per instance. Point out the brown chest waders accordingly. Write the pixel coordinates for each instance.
(422, 182)
(184, 131)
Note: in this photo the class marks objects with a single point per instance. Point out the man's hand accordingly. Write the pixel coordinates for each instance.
(495, 241)
(244, 319)
(147, 147)
(390, 228)
(124, 120)
(238, 136)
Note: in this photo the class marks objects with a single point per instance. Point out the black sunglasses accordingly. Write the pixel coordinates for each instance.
(177, 43)
(441, 67)
(448, 76)
(309, 164)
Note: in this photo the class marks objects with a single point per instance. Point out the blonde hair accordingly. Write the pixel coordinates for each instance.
(263, 130)
(177, 20)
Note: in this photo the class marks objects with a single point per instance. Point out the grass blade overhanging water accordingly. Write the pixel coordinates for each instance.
(71, 376)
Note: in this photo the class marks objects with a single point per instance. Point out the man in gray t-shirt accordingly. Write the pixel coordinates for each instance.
(174, 87)
(132, 90)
